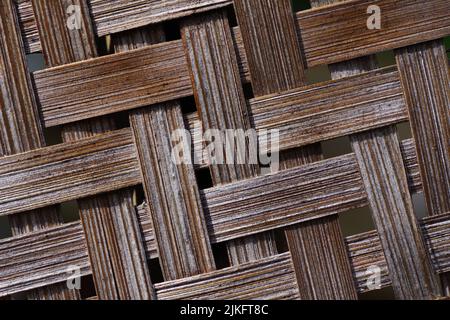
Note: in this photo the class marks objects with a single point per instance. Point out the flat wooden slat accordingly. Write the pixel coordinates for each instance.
(113, 16)
(67, 171)
(49, 253)
(21, 127)
(365, 252)
(269, 278)
(221, 103)
(339, 32)
(379, 158)
(436, 231)
(178, 221)
(129, 80)
(27, 21)
(287, 197)
(118, 263)
(41, 258)
(332, 109)
(275, 63)
(426, 81)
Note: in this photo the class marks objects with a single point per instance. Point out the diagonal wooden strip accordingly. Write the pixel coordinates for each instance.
(275, 63)
(268, 278)
(118, 263)
(27, 22)
(178, 221)
(21, 127)
(67, 171)
(384, 177)
(40, 259)
(331, 109)
(113, 16)
(285, 198)
(222, 106)
(426, 82)
(129, 80)
(339, 32)
(189, 253)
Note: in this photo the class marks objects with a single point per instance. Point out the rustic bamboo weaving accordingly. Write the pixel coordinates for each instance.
(151, 228)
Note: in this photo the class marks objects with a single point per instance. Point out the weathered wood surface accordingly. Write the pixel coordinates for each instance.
(178, 221)
(21, 128)
(332, 109)
(222, 106)
(268, 278)
(285, 198)
(379, 158)
(426, 81)
(67, 171)
(339, 32)
(325, 32)
(129, 80)
(48, 254)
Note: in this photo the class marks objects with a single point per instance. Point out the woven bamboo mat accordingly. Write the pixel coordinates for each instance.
(122, 76)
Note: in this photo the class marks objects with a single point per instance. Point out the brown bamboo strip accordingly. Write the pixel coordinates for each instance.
(221, 104)
(288, 197)
(42, 258)
(111, 16)
(268, 278)
(20, 127)
(65, 246)
(178, 221)
(59, 44)
(190, 253)
(116, 249)
(412, 168)
(365, 251)
(275, 63)
(118, 263)
(67, 172)
(129, 80)
(330, 34)
(436, 231)
(332, 109)
(339, 32)
(27, 22)
(426, 82)
(51, 252)
(384, 177)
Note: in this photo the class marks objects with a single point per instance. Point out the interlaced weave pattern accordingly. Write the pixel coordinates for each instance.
(248, 234)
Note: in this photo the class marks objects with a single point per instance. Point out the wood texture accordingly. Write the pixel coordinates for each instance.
(269, 278)
(425, 79)
(339, 32)
(41, 258)
(288, 197)
(384, 177)
(129, 80)
(115, 16)
(27, 22)
(67, 171)
(275, 63)
(21, 128)
(221, 104)
(178, 221)
(332, 109)
(65, 245)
